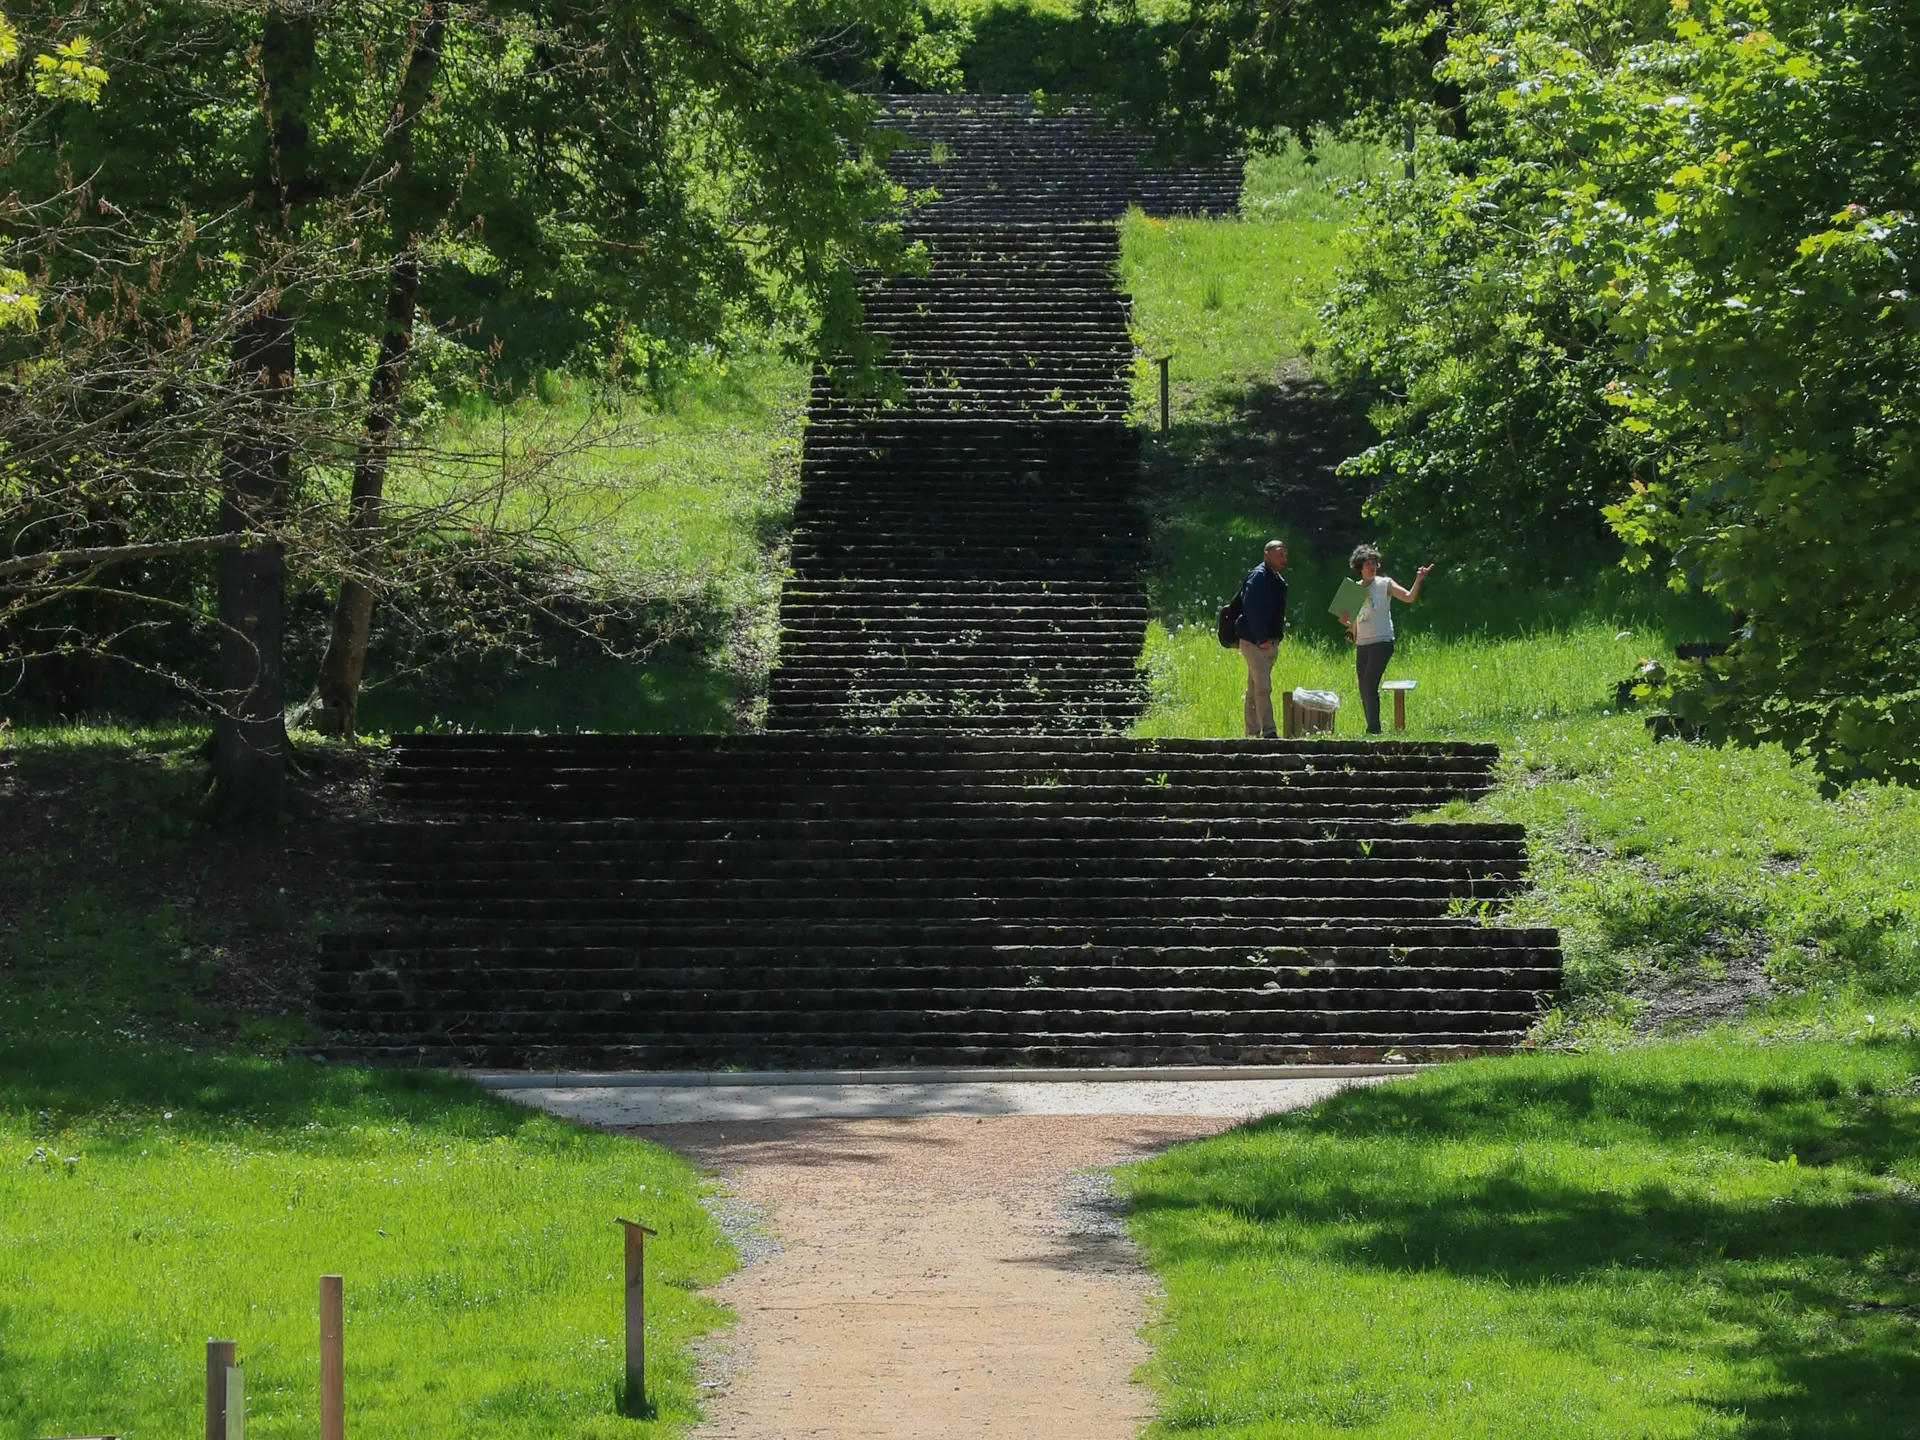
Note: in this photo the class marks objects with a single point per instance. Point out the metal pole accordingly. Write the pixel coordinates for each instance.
(636, 1396)
(1162, 363)
(333, 1358)
(219, 1358)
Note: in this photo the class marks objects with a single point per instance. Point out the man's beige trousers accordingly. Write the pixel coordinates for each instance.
(1258, 710)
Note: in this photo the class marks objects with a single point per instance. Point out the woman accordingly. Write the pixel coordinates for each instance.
(1372, 628)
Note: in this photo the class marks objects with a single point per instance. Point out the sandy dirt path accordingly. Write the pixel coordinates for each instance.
(934, 1277)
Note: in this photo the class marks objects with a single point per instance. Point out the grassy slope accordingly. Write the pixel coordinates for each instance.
(159, 1183)
(682, 503)
(1670, 868)
(1698, 1237)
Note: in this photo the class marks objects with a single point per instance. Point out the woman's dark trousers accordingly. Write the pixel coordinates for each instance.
(1371, 663)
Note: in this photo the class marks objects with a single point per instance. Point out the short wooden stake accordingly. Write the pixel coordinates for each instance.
(333, 1358)
(1399, 709)
(219, 1365)
(636, 1394)
(236, 1404)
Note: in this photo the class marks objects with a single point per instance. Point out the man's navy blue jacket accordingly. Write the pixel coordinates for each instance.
(1263, 606)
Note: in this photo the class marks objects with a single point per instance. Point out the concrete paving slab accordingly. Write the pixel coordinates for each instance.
(693, 1103)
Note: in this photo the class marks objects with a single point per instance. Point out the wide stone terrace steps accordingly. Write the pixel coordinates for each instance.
(978, 577)
(998, 158)
(814, 901)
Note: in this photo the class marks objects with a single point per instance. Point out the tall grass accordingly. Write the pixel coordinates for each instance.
(677, 503)
(1466, 688)
(1237, 300)
(684, 489)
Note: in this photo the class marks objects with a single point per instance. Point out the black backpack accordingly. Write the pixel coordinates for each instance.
(1230, 618)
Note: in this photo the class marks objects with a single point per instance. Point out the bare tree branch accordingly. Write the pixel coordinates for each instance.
(122, 554)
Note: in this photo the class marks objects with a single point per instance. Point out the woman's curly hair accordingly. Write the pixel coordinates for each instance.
(1362, 554)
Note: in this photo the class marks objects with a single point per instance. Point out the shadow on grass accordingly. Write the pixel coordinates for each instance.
(674, 696)
(1738, 1199)
(1217, 488)
(104, 1087)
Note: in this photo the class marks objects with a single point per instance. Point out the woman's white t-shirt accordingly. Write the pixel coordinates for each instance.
(1374, 623)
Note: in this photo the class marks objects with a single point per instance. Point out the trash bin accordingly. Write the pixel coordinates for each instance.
(1309, 712)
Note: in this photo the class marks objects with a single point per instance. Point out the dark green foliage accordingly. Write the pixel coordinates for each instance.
(1668, 284)
(1224, 71)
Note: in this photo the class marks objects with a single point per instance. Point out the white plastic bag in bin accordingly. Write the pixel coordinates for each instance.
(1325, 701)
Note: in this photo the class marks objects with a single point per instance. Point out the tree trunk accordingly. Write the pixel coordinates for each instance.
(341, 670)
(256, 467)
(250, 733)
(337, 693)
(1445, 95)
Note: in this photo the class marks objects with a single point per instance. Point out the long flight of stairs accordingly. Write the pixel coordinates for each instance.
(999, 159)
(944, 849)
(967, 553)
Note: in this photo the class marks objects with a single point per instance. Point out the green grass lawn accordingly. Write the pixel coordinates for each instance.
(150, 1199)
(1234, 300)
(679, 504)
(167, 1174)
(1712, 1237)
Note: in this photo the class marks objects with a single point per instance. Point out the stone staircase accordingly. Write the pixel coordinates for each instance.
(995, 159)
(944, 850)
(963, 575)
(832, 900)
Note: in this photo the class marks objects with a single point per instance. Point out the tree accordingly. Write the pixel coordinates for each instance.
(1227, 73)
(1766, 257)
(584, 182)
(1671, 279)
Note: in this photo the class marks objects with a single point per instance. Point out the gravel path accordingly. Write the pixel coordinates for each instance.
(926, 1261)
(933, 1277)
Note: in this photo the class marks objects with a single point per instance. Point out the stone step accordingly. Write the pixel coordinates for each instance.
(1072, 1051)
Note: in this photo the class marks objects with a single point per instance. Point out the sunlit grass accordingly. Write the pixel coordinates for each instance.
(683, 491)
(1712, 1238)
(1471, 688)
(1236, 300)
(150, 1199)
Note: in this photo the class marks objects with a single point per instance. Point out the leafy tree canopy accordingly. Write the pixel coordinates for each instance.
(1668, 283)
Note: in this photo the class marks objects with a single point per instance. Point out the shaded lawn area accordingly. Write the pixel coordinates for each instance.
(1696, 1238)
(155, 1194)
(151, 1198)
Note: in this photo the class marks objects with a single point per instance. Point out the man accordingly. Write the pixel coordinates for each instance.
(1262, 624)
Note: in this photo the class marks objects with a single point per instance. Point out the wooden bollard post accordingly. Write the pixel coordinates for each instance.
(636, 1396)
(236, 1404)
(333, 1359)
(219, 1361)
